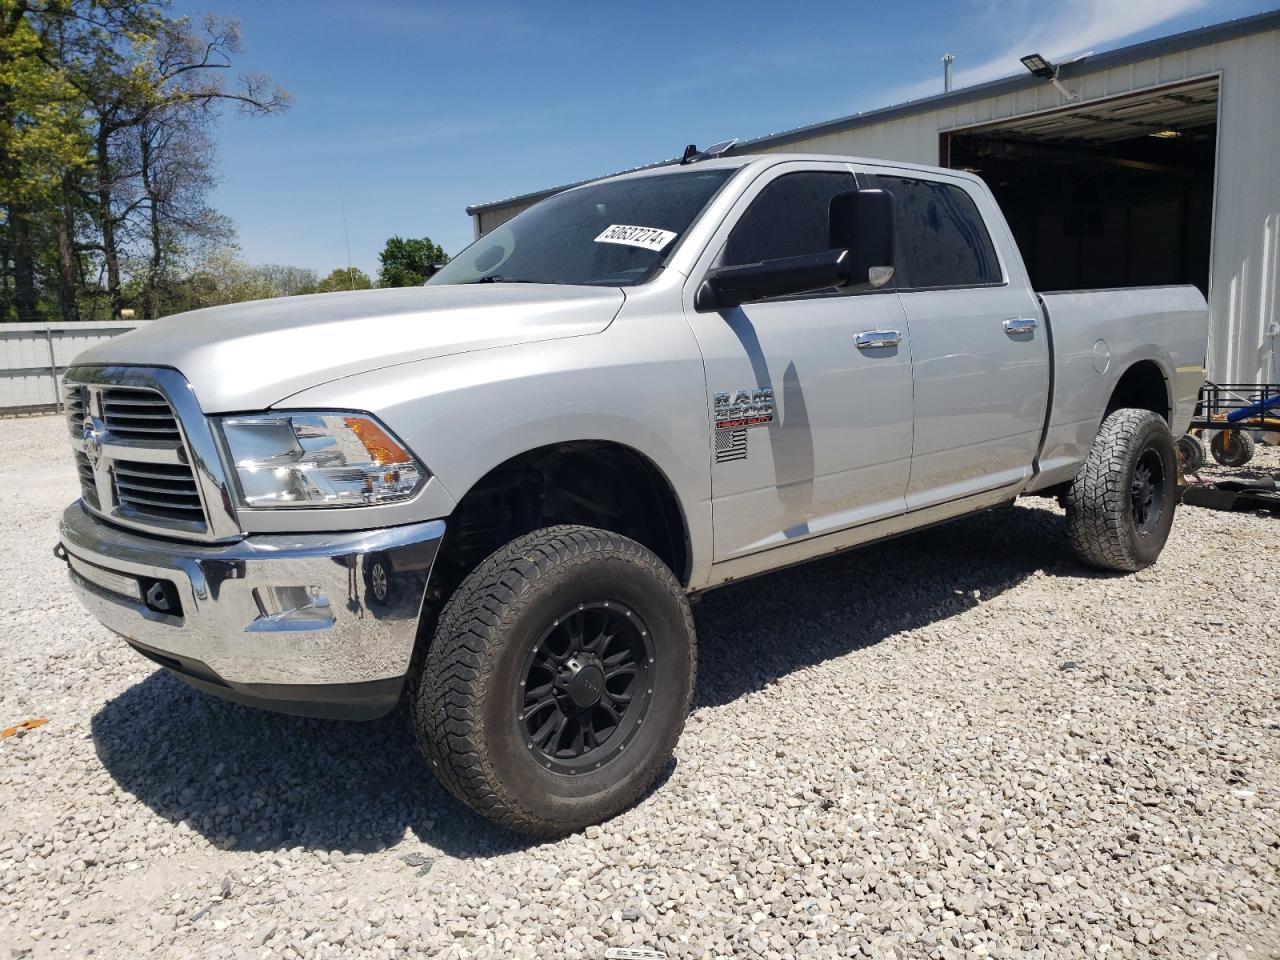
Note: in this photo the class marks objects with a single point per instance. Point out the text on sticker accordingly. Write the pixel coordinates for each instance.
(650, 238)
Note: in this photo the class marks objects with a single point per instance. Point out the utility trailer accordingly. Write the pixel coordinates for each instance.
(1229, 411)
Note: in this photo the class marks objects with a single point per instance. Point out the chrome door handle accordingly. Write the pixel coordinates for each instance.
(871, 339)
(1020, 324)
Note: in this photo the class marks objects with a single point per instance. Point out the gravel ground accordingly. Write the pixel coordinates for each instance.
(958, 743)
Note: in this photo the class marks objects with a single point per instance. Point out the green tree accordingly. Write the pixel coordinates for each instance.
(215, 276)
(107, 109)
(288, 281)
(406, 262)
(43, 143)
(170, 75)
(345, 279)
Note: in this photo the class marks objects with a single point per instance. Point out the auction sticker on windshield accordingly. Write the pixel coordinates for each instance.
(650, 238)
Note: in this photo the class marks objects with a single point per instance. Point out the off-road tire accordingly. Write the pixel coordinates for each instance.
(1101, 521)
(464, 697)
(1232, 448)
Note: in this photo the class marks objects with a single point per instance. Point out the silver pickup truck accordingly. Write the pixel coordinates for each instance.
(496, 493)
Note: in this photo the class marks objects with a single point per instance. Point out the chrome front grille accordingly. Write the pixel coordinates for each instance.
(73, 402)
(130, 413)
(145, 454)
(88, 482)
(159, 490)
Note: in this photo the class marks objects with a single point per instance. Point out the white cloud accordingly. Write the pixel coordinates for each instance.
(1075, 27)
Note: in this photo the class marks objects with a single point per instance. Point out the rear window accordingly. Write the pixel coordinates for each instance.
(941, 238)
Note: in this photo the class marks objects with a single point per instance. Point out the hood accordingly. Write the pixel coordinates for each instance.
(247, 356)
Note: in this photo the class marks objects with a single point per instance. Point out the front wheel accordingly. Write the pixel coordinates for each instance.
(558, 680)
(1120, 505)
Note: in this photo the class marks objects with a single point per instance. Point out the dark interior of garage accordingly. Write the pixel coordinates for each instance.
(1113, 198)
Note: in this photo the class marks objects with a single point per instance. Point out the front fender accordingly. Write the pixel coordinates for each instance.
(464, 415)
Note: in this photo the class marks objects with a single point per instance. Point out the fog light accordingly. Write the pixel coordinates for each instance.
(291, 608)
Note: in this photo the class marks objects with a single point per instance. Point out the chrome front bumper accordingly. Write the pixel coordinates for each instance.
(318, 624)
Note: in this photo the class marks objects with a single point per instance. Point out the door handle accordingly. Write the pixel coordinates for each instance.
(1020, 324)
(871, 339)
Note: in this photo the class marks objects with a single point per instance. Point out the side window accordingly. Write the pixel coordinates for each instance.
(787, 218)
(942, 240)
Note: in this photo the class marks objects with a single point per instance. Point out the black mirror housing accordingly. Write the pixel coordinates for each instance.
(727, 287)
(861, 221)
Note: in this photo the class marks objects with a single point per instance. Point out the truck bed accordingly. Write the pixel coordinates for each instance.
(1096, 337)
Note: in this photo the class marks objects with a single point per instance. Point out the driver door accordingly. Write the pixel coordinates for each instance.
(810, 433)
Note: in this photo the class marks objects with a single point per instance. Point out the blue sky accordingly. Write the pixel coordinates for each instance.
(412, 110)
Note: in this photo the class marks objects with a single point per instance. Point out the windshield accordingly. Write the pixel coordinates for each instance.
(608, 234)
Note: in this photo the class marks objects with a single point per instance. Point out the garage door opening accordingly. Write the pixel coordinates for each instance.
(1116, 193)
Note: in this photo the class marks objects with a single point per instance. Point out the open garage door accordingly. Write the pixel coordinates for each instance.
(1112, 193)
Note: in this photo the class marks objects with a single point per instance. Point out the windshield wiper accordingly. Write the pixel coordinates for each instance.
(497, 278)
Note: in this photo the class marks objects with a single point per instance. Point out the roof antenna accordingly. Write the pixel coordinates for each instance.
(690, 154)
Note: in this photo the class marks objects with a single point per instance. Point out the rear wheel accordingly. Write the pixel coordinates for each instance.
(558, 680)
(1232, 448)
(1120, 505)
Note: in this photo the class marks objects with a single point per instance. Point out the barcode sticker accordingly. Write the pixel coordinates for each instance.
(650, 238)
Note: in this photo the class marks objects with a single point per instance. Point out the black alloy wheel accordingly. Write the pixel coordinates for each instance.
(558, 680)
(586, 687)
(1147, 491)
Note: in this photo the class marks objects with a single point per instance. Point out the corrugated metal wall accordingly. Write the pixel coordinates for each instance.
(492, 219)
(33, 356)
(1245, 267)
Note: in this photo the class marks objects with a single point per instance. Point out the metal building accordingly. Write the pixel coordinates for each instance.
(1163, 167)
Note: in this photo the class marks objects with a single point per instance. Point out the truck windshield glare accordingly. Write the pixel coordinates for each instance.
(611, 234)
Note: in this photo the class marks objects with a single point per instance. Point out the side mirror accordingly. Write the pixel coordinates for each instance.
(731, 286)
(861, 222)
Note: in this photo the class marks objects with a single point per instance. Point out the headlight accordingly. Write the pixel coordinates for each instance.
(319, 460)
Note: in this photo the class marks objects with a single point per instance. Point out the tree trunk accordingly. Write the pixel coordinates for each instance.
(156, 232)
(24, 267)
(106, 224)
(68, 268)
(6, 275)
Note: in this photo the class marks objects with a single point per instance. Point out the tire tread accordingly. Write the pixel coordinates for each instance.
(1097, 500)
(447, 693)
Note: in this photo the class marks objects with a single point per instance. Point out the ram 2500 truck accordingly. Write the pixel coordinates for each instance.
(495, 494)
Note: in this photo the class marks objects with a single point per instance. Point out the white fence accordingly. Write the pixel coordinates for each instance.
(33, 356)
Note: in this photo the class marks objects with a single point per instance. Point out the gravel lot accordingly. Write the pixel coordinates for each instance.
(959, 743)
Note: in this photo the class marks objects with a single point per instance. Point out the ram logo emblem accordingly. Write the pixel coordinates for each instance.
(743, 408)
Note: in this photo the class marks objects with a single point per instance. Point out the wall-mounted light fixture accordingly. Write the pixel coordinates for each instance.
(1042, 68)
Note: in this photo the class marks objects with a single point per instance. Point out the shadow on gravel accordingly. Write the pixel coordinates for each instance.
(764, 628)
(274, 782)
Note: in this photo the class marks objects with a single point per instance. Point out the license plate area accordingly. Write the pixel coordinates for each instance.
(120, 584)
(158, 596)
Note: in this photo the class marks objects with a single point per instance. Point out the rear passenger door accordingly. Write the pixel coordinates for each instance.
(980, 359)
